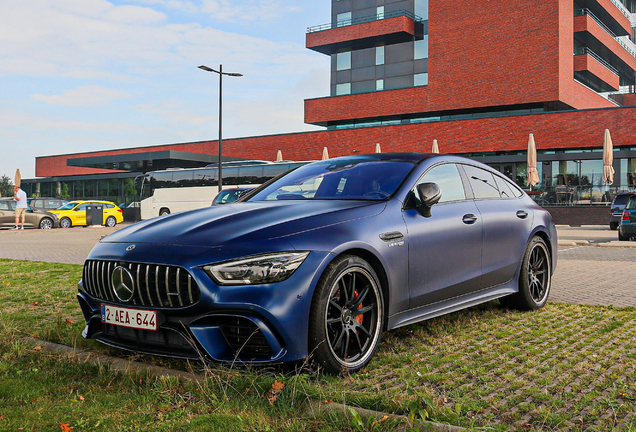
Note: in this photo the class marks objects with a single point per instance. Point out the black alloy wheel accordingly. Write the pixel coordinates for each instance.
(346, 317)
(534, 280)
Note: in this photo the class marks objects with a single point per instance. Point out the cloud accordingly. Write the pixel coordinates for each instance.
(87, 95)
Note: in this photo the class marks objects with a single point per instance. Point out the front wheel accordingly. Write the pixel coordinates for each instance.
(46, 223)
(65, 223)
(346, 317)
(111, 221)
(534, 280)
(164, 211)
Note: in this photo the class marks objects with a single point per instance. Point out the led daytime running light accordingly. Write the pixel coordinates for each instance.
(256, 270)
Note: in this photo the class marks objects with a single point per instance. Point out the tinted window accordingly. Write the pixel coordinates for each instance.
(482, 182)
(621, 199)
(449, 181)
(505, 189)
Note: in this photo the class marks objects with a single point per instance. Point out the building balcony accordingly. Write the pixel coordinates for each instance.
(595, 72)
(612, 13)
(591, 32)
(389, 28)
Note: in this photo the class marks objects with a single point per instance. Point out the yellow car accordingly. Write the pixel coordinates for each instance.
(74, 213)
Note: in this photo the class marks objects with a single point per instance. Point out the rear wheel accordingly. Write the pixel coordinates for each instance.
(346, 316)
(164, 211)
(111, 221)
(534, 280)
(613, 226)
(621, 237)
(65, 223)
(46, 223)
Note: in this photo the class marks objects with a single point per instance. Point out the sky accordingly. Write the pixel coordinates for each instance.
(89, 75)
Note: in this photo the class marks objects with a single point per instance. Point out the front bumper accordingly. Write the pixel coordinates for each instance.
(256, 324)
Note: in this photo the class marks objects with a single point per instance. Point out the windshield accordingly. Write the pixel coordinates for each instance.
(68, 206)
(343, 178)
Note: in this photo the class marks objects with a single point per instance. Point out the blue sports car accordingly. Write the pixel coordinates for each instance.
(317, 263)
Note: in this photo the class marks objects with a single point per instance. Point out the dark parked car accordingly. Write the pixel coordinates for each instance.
(44, 204)
(627, 228)
(32, 218)
(617, 207)
(227, 196)
(319, 262)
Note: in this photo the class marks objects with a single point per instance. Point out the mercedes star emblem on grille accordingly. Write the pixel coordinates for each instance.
(123, 284)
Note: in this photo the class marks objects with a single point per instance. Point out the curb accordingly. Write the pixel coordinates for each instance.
(314, 407)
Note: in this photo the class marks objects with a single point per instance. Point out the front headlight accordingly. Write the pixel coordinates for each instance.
(256, 269)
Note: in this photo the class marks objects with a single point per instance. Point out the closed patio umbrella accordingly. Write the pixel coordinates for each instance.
(608, 158)
(279, 156)
(325, 153)
(18, 177)
(435, 147)
(377, 148)
(533, 174)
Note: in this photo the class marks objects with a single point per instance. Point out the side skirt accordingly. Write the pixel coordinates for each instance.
(426, 312)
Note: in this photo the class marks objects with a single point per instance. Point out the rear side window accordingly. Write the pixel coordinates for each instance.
(631, 205)
(482, 182)
(506, 190)
(4, 205)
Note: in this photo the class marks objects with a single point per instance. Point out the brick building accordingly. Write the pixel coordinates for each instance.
(478, 77)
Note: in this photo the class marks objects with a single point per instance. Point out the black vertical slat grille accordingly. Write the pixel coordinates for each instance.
(155, 285)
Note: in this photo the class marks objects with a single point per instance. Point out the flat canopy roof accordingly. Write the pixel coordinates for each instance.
(148, 161)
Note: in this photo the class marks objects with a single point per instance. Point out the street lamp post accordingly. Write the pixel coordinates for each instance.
(221, 73)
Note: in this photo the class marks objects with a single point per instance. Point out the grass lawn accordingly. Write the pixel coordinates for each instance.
(566, 367)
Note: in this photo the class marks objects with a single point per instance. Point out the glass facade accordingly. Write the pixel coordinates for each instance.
(398, 63)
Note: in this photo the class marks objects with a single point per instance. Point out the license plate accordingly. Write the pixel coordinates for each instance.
(127, 317)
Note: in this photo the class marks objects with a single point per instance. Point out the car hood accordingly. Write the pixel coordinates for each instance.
(244, 222)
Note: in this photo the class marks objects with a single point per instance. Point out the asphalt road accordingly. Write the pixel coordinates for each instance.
(593, 266)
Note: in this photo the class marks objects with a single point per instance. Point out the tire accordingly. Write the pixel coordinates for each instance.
(534, 280)
(164, 211)
(111, 221)
(46, 223)
(613, 226)
(65, 223)
(346, 317)
(621, 237)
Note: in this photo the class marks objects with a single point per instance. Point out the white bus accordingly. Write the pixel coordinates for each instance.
(176, 190)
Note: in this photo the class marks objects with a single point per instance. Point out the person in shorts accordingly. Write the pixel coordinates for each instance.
(20, 206)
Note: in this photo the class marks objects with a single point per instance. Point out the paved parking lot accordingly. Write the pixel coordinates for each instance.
(593, 266)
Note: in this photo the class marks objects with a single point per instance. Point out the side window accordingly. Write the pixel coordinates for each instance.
(505, 190)
(4, 205)
(82, 207)
(108, 206)
(482, 182)
(38, 203)
(449, 181)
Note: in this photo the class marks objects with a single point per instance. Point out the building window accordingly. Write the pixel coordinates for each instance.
(343, 61)
(420, 79)
(379, 55)
(343, 89)
(379, 85)
(421, 48)
(380, 12)
(343, 19)
(421, 9)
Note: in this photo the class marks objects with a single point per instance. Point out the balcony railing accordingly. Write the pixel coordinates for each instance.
(589, 13)
(621, 7)
(366, 19)
(586, 50)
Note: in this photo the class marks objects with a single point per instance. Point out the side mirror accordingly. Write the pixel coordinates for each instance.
(429, 194)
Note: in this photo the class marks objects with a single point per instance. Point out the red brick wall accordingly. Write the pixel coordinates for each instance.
(482, 55)
(551, 131)
(587, 63)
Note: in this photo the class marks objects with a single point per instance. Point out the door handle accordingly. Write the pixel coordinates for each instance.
(522, 214)
(469, 219)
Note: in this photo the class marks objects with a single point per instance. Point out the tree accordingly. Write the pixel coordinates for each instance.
(6, 186)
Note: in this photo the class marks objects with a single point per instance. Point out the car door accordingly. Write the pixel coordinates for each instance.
(507, 222)
(7, 216)
(79, 214)
(445, 249)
